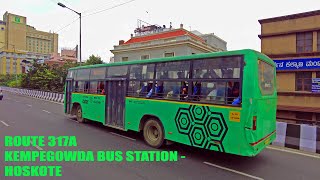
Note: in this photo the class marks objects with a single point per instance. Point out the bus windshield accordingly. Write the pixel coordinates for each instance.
(266, 78)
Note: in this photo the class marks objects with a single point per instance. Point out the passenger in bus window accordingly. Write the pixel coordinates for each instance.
(143, 89)
(101, 88)
(230, 93)
(149, 90)
(235, 89)
(183, 91)
(221, 88)
(197, 91)
(213, 93)
(159, 89)
(237, 101)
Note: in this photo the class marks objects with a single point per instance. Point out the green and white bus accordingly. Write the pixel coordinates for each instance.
(222, 101)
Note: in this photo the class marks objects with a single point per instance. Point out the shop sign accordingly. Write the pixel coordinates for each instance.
(315, 85)
(298, 64)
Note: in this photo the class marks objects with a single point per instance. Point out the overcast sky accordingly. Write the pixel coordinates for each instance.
(232, 20)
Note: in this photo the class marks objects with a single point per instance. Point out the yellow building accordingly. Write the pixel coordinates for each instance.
(11, 62)
(293, 42)
(20, 42)
(20, 36)
(2, 33)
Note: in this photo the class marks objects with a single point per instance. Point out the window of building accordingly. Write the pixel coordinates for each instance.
(169, 54)
(145, 57)
(303, 81)
(125, 59)
(304, 42)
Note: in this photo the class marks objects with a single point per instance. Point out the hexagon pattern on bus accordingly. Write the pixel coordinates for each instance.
(198, 113)
(198, 136)
(183, 121)
(205, 129)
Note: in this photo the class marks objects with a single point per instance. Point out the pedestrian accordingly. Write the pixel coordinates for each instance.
(1, 95)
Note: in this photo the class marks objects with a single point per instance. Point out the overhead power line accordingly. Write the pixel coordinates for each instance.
(109, 8)
(100, 11)
(67, 25)
(99, 6)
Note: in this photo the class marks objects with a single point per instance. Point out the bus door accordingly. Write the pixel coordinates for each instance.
(115, 102)
(69, 85)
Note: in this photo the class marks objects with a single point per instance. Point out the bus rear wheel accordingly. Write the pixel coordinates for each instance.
(80, 119)
(153, 133)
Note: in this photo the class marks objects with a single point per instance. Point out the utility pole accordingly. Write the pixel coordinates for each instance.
(64, 6)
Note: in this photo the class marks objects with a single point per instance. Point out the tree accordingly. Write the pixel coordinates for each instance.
(93, 60)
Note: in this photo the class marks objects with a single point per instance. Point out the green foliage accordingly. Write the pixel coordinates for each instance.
(93, 60)
(5, 79)
(44, 78)
(47, 78)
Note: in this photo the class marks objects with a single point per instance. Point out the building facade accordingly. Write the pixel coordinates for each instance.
(293, 42)
(21, 36)
(67, 55)
(163, 43)
(17, 62)
(212, 40)
(21, 44)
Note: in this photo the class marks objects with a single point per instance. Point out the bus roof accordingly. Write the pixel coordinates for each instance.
(181, 58)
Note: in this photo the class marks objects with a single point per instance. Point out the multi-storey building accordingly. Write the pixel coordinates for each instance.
(20, 41)
(156, 42)
(293, 42)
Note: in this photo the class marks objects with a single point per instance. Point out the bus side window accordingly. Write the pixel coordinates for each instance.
(86, 87)
(75, 86)
(100, 88)
(93, 87)
(159, 89)
(196, 94)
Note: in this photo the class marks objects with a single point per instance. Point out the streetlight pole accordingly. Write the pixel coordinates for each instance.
(64, 6)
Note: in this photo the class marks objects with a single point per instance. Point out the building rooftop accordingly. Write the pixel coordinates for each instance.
(292, 16)
(163, 35)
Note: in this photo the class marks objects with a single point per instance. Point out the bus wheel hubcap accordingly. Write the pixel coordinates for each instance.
(79, 113)
(153, 133)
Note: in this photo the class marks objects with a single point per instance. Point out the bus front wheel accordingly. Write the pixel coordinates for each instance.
(153, 133)
(80, 119)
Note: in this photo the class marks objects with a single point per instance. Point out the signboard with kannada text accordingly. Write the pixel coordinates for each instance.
(298, 64)
(315, 85)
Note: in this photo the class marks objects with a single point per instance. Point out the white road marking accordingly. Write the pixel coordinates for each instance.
(231, 170)
(293, 152)
(36, 146)
(5, 124)
(122, 136)
(16, 101)
(46, 111)
(29, 105)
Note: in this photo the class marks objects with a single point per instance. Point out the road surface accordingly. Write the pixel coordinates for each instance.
(20, 115)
